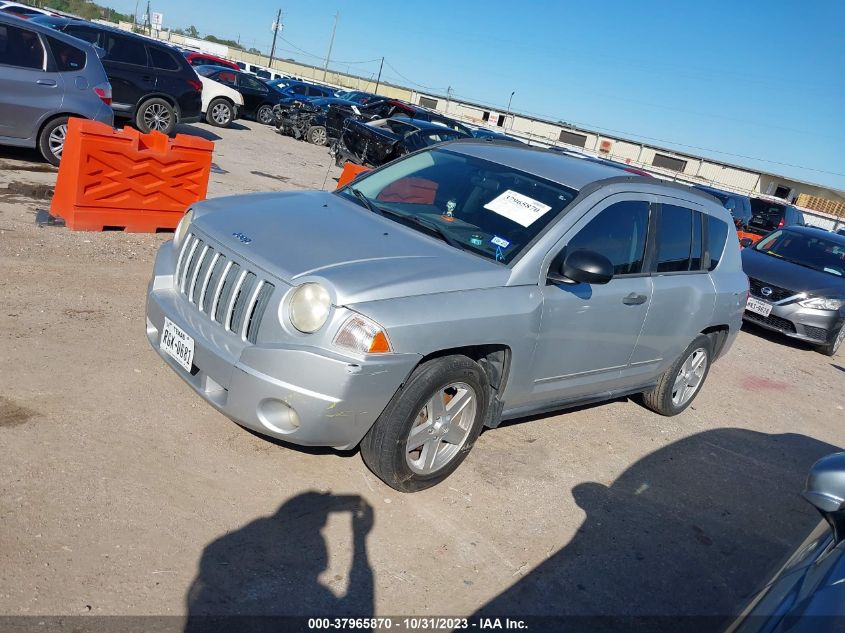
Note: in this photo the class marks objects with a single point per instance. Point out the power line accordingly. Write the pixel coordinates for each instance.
(336, 61)
(414, 83)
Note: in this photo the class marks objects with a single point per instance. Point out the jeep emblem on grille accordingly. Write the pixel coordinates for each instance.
(765, 291)
(246, 240)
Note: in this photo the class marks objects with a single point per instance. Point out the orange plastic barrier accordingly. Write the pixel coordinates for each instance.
(122, 179)
(350, 171)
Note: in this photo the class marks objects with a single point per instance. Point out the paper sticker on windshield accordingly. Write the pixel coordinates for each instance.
(518, 208)
(498, 241)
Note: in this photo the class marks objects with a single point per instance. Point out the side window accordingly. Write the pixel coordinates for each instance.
(226, 77)
(125, 50)
(163, 59)
(253, 84)
(299, 90)
(717, 233)
(678, 240)
(20, 47)
(619, 233)
(67, 57)
(84, 33)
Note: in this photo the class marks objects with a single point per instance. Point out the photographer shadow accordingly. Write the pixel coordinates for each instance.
(269, 569)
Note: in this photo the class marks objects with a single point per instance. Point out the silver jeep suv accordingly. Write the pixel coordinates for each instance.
(463, 285)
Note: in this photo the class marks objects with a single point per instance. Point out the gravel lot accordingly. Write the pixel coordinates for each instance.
(121, 492)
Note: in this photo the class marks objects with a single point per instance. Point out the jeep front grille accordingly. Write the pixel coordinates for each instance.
(228, 293)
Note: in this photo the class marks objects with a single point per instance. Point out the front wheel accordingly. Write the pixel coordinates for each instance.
(316, 135)
(430, 424)
(835, 343)
(264, 114)
(680, 384)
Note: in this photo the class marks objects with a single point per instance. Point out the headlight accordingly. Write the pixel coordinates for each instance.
(182, 227)
(822, 303)
(363, 335)
(309, 307)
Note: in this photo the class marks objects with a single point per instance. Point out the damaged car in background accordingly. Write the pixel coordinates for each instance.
(306, 120)
(374, 143)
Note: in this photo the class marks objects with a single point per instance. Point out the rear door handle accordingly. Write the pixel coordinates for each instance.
(46, 82)
(634, 299)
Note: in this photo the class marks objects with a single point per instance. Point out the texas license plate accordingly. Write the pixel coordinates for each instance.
(177, 344)
(758, 307)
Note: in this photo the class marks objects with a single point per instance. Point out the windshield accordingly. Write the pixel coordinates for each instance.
(810, 251)
(483, 207)
(207, 71)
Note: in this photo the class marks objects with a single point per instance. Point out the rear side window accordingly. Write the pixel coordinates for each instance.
(619, 233)
(674, 246)
(253, 84)
(226, 77)
(67, 57)
(163, 59)
(20, 47)
(83, 33)
(125, 50)
(717, 233)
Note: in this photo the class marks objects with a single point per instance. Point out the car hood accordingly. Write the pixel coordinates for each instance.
(779, 272)
(302, 236)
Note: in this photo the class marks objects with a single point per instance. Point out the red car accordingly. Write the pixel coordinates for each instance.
(204, 59)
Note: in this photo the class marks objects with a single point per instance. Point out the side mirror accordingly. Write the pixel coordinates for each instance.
(825, 489)
(745, 242)
(583, 266)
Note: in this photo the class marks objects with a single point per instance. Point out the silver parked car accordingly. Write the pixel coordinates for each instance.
(463, 285)
(47, 77)
(797, 278)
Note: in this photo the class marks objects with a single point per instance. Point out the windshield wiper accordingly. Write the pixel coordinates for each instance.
(451, 241)
(405, 219)
(367, 202)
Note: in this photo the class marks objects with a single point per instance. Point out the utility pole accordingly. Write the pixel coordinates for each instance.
(147, 28)
(378, 81)
(448, 98)
(331, 43)
(276, 26)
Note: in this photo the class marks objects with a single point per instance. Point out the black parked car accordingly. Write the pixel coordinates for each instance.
(305, 90)
(768, 215)
(259, 97)
(152, 84)
(738, 205)
(378, 142)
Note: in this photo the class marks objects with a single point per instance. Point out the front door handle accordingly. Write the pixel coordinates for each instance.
(46, 82)
(634, 299)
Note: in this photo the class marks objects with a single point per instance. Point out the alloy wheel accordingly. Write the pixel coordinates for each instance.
(689, 377)
(220, 114)
(157, 117)
(441, 428)
(56, 140)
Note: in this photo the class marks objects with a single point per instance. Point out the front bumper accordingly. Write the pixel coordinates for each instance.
(805, 324)
(336, 398)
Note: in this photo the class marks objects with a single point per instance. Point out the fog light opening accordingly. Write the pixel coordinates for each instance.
(278, 416)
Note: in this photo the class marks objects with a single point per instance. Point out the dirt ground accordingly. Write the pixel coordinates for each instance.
(121, 492)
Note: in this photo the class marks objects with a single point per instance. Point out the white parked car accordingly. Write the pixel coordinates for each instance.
(220, 103)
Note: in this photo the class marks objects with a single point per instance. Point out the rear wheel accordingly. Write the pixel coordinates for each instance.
(680, 384)
(220, 112)
(155, 114)
(429, 426)
(264, 114)
(316, 135)
(51, 141)
(835, 343)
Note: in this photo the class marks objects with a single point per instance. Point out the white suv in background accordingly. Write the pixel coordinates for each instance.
(220, 103)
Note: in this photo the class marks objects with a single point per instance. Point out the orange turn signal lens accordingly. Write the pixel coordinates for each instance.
(363, 335)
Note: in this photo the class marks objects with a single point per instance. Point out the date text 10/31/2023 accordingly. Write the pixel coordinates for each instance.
(417, 623)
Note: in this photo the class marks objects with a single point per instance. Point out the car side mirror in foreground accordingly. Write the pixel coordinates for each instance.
(745, 242)
(825, 489)
(583, 266)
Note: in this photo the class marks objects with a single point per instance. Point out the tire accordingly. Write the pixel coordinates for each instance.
(264, 115)
(667, 398)
(831, 348)
(317, 135)
(220, 113)
(155, 114)
(51, 141)
(441, 446)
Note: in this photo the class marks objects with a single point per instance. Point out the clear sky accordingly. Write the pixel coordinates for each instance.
(741, 81)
